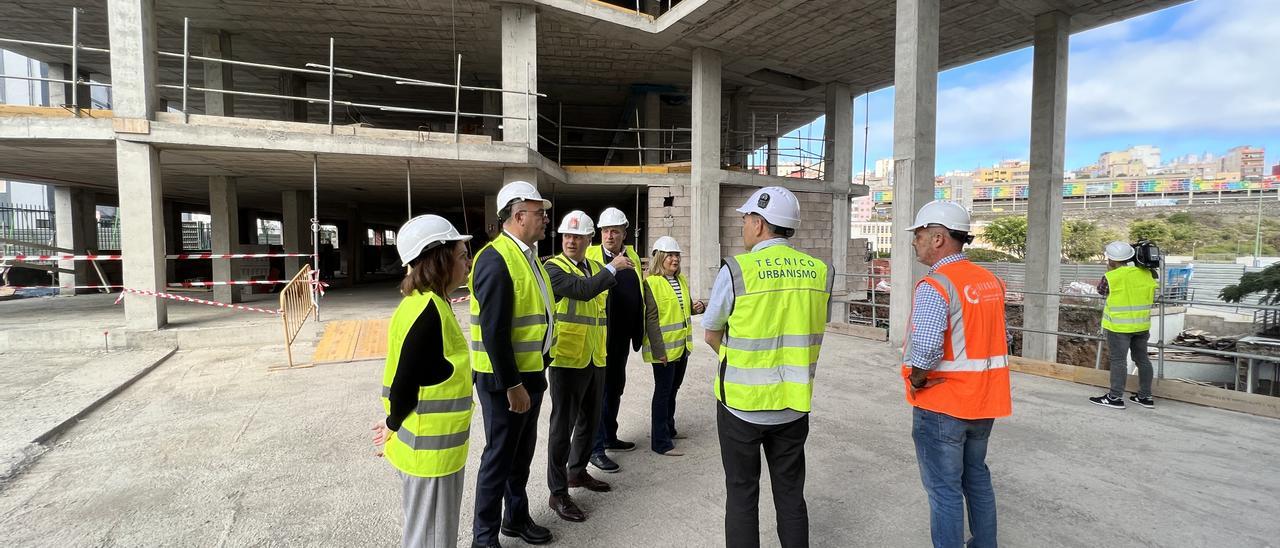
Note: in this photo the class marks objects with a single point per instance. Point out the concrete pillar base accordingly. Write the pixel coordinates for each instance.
(142, 234)
(224, 208)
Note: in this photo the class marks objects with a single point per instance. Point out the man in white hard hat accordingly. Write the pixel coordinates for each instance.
(629, 319)
(512, 328)
(577, 362)
(956, 375)
(1126, 323)
(765, 318)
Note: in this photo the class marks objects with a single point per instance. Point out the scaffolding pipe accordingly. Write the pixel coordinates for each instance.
(75, 61)
(408, 186)
(186, 59)
(51, 45)
(330, 94)
(560, 134)
(315, 226)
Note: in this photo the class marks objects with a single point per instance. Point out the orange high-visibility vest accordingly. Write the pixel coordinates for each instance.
(974, 348)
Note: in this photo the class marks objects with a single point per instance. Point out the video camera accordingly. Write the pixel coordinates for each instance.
(1147, 254)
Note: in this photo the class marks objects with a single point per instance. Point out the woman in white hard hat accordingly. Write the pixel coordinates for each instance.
(426, 383)
(669, 294)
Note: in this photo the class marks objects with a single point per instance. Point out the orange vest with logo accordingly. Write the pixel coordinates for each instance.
(974, 348)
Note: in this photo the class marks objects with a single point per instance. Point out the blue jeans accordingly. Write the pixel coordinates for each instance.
(667, 378)
(952, 456)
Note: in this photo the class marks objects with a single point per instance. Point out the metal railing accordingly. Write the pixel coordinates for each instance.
(331, 71)
(669, 145)
(76, 49)
(297, 303)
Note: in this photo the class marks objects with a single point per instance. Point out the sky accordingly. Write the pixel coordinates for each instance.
(1194, 78)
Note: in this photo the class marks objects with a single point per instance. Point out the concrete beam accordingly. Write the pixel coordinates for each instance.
(915, 113)
(838, 172)
(520, 73)
(69, 234)
(652, 120)
(704, 203)
(132, 34)
(218, 75)
(296, 221)
(1044, 197)
(142, 234)
(224, 209)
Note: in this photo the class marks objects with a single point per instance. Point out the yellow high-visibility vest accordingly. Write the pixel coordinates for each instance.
(596, 253)
(1132, 292)
(770, 350)
(673, 318)
(580, 325)
(528, 315)
(432, 439)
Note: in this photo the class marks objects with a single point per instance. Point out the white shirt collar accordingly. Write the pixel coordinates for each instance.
(769, 243)
(523, 246)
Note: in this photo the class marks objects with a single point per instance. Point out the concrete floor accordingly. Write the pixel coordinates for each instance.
(211, 449)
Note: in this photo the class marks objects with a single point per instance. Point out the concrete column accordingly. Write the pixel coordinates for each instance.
(88, 219)
(704, 186)
(1044, 193)
(492, 104)
(60, 94)
(295, 85)
(224, 208)
(353, 246)
(915, 105)
(652, 120)
(296, 220)
(740, 123)
(132, 32)
(838, 172)
(520, 72)
(69, 233)
(218, 75)
(771, 164)
(172, 219)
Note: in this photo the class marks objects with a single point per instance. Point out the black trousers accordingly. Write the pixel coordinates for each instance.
(576, 395)
(510, 439)
(740, 443)
(615, 381)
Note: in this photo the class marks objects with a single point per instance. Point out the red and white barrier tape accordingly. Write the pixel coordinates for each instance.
(192, 300)
(61, 257)
(460, 299)
(233, 282)
(235, 255)
(60, 287)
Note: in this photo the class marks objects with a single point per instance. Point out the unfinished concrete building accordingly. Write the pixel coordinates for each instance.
(369, 111)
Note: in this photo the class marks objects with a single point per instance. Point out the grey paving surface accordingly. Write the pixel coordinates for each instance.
(39, 392)
(210, 449)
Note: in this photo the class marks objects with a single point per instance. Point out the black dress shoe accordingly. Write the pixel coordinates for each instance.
(566, 508)
(619, 445)
(604, 463)
(494, 544)
(591, 484)
(529, 532)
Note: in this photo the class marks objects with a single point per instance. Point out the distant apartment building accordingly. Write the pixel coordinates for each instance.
(862, 208)
(1008, 171)
(884, 167)
(1147, 154)
(961, 185)
(1275, 170)
(1246, 160)
(878, 233)
(1121, 164)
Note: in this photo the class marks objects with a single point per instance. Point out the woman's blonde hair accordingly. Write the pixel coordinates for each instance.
(655, 264)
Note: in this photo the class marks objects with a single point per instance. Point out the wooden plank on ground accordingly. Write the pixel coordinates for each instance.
(1221, 398)
(338, 342)
(373, 340)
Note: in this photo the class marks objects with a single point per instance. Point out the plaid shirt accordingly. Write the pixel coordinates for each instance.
(929, 320)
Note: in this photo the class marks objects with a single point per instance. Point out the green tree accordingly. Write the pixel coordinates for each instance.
(1266, 281)
(1008, 234)
(1083, 240)
(1156, 231)
(978, 254)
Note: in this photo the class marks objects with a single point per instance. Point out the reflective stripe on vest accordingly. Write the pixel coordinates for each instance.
(974, 349)
(674, 321)
(433, 438)
(769, 354)
(580, 325)
(1132, 293)
(528, 315)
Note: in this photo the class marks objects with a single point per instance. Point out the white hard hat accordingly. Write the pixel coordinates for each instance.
(613, 217)
(577, 222)
(520, 190)
(422, 233)
(776, 204)
(666, 244)
(941, 212)
(1119, 251)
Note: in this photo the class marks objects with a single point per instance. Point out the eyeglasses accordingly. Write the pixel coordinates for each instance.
(533, 211)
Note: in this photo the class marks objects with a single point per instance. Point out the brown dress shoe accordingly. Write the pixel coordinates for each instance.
(585, 480)
(566, 508)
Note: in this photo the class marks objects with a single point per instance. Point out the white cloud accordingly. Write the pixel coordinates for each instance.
(1212, 71)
